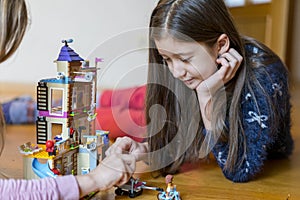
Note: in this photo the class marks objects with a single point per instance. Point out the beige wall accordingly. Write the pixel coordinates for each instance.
(295, 44)
(267, 23)
(98, 28)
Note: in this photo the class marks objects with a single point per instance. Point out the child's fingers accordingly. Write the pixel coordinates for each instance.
(129, 168)
(121, 145)
(230, 62)
(130, 162)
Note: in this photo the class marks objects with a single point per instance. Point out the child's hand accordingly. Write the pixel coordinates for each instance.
(115, 169)
(126, 145)
(229, 63)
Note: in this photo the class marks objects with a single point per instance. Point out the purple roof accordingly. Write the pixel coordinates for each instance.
(68, 54)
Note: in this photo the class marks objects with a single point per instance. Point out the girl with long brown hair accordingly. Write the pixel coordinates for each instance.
(211, 90)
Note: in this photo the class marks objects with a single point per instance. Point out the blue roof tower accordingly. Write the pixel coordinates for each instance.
(68, 54)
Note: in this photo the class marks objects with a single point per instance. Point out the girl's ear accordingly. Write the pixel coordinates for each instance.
(223, 44)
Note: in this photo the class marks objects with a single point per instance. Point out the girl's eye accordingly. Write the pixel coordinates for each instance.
(184, 60)
(187, 60)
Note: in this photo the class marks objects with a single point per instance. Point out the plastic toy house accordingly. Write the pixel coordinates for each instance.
(67, 142)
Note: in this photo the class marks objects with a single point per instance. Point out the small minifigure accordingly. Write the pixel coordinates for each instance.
(51, 148)
(171, 192)
(170, 186)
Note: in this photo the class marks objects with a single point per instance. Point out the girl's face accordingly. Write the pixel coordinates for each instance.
(189, 62)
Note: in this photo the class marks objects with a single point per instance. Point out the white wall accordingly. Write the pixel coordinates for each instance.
(99, 28)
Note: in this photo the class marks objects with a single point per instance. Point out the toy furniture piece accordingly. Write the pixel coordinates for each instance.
(65, 126)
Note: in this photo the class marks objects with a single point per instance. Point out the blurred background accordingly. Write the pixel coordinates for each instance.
(274, 22)
(118, 34)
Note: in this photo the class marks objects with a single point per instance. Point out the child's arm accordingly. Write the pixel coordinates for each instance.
(113, 170)
(261, 139)
(63, 187)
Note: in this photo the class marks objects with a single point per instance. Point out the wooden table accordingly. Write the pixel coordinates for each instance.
(279, 180)
(203, 180)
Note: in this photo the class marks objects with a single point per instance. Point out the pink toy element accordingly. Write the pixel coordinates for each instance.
(48, 114)
(169, 179)
(98, 60)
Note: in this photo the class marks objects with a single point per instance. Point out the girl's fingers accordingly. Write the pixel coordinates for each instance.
(230, 62)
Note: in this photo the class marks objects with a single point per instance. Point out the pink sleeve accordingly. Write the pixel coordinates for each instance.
(63, 187)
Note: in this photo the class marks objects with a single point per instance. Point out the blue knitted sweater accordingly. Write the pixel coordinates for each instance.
(262, 141)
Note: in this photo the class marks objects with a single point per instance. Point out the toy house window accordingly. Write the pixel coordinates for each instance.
(78, 98)
(56, 129)
(74, 99)
(56, 101)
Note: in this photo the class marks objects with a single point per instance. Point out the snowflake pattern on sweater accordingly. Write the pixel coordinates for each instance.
(262, 142)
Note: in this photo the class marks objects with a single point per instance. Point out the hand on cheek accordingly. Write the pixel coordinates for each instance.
(229, 62)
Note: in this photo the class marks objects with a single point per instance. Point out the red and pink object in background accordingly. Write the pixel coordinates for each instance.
(122, 112)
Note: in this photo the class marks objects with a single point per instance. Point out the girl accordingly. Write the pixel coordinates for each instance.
(114, 170)
(211, 90)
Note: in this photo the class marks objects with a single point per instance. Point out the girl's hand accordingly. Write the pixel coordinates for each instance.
(114, 170)
(126, 145)
(229, 63)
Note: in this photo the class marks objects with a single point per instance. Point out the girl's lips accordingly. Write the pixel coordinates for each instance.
(188, 81)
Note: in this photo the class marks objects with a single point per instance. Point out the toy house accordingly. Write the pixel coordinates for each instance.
(67, 142)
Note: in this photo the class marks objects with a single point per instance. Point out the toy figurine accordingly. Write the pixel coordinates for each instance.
(171, 193)
(51, 148)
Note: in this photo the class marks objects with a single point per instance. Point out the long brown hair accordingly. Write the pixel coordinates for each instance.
(13, 25)
(176, 131)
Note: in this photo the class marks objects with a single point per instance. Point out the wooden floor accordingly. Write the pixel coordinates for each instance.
(280, 179)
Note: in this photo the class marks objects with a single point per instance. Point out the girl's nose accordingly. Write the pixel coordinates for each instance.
(178, 71)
